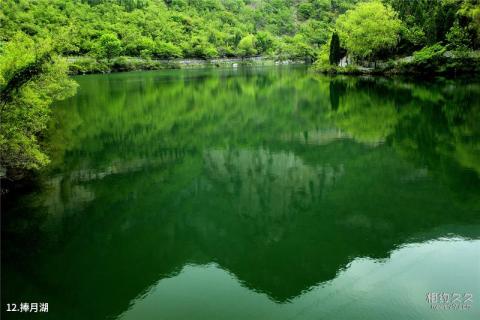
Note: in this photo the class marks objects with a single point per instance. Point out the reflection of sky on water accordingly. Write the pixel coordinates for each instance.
(390, 288)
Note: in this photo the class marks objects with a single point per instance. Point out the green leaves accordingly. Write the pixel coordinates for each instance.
(429, 54)
(335, 50)
(368, 28)
(108, 46)
(457, 37)
(246, 46)
(32, 77)
(166, 50)
(106, 29)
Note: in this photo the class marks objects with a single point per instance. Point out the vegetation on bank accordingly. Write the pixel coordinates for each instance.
(397, 36)
(123, 35)
(86, 65)
(431, 61)
(107, 33)
(32, 76)
(168, 29)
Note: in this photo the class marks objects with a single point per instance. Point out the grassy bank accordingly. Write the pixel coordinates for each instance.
(434, 62)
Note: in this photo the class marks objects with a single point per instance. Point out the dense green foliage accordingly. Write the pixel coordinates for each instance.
(98, 34)
(389, 29)
(164, 29)
(426, 22)
(246, 46)
(369, 28)
(284, 29)
(31, 77)
(335, 50)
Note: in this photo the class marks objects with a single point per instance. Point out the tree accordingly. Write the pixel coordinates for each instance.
(296, 48)
(305, 10)
(246, 46)
(470, 13)
(32, 76)
(368, 28)
(108, 46)
(412, 38)
(200, 47)
(166, 50)
(444, 19)
(335, 50)
(265, 42)
(457, 38)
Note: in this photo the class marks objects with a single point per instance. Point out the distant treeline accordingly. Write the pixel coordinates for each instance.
(163, 29)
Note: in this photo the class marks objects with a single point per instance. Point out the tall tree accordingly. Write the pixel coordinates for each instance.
(368, 28)
(335, 50)
(108, 46)
(470, 16)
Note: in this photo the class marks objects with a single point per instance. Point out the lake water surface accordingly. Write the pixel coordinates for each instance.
(261, 193)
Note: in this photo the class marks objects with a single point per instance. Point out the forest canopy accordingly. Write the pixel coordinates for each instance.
(176, 28)
(283, 29)
(368, 28)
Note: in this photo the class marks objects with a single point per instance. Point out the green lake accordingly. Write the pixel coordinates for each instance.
(252, 193)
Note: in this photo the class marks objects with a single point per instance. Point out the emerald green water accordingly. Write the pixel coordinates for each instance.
(268, 193)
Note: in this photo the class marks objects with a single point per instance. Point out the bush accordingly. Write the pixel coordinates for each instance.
(436, 59)
(201, 48)
(429, 54)
(265, 43)
(246, 46)
(458, 38)
(108, 46)
(85, 65)
(166, 50)
(322, 64)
